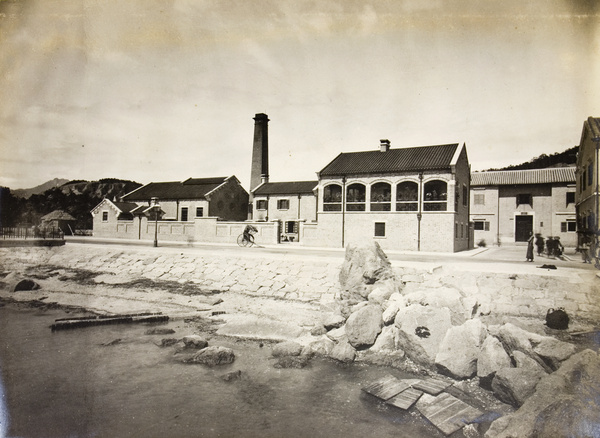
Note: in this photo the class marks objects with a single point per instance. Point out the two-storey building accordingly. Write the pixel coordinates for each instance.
(507, 206)
(414, 199)
(588, 192)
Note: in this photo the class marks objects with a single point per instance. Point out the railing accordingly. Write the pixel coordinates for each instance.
(30, 233)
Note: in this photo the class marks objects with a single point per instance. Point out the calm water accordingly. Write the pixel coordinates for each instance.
(66, 384)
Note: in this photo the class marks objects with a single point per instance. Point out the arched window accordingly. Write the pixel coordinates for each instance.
(355, 197)
(381, 197)
(407, 196)
(332, 198)
(436, 194)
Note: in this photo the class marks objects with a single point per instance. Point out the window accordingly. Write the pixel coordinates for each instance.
(283, 204)
(524, 199)
(381, 197)
(355, 197)
(570, 226)
(379, 229)
(481, 225)
(184, 214)
(479, 199)
(407, 196)
(435, 196)
(590, 175)
(570, 198)
(291, 227)
(199, 211)
(583, 180)
(105, 216)
(465, 195)
(261, 204)
(332, 198)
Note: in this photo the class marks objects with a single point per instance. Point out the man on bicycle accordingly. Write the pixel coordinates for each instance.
(248, 233)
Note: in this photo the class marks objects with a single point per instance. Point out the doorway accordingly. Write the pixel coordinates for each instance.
(523, 228)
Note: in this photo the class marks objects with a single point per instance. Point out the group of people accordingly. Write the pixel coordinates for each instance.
(553, 247)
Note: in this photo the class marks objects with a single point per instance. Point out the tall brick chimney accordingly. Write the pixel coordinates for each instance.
(260, 151)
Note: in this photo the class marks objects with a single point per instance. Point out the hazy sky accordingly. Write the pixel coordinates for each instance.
(157, 90)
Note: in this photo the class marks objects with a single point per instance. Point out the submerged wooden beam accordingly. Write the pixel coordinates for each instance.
(66, 324)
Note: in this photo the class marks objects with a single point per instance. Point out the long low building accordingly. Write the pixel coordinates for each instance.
(508, 205)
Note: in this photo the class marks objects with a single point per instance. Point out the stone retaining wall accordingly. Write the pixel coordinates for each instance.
(309, 278)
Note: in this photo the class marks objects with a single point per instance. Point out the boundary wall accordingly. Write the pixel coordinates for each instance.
(315, 279)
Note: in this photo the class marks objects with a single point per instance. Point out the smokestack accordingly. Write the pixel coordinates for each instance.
(384, 145)
(260, 151)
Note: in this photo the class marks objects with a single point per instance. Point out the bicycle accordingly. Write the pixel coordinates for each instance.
(242, 240)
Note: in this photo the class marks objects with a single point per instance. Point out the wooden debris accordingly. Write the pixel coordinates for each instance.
(386, 387)
(65, 324)
(446, 412)
(431, 386)
(405, 399)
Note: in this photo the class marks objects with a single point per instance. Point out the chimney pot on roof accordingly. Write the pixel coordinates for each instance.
(384, 145)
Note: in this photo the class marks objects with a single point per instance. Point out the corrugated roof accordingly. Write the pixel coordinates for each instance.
(58, 215)
(286, 188)
(530, 176)
(193, 188)
(394, 160)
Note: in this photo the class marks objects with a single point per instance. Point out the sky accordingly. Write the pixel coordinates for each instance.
(165, 90)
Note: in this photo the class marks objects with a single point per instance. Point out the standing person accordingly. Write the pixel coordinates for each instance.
(529, 255)
(585, 249)
(539, 243)
(558, 247)
(550, 246)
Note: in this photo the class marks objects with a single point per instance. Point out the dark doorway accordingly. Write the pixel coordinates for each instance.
(523, 228)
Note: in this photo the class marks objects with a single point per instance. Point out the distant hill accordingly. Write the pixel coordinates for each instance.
(559, 159)
(26, 193)
(74, 197)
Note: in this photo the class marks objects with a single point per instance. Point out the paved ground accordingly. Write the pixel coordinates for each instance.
(507, 254)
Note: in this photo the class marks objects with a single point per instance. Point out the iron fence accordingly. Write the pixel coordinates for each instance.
(30, 233)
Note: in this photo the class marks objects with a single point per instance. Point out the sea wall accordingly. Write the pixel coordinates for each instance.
(316, 279)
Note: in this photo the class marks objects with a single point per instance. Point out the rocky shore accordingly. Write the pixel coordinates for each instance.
(484, 332)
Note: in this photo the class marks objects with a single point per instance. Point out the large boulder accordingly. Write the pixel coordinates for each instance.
(387, 341)
(319, 347)
(515, 385)
(389, 314)
(516, 339)
(287, 348)
(213, 356)
(441, 297)
(364, 265)
(363, 326)
(25, 285)
(492, 357)
(553, 351)
(195, 341)
(565, 403)
(421, 330)
(459, 350)
(343, 352)
(333, 320)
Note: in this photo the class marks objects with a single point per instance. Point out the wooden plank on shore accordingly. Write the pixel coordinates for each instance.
(431, 386)
(77, 318)
(386, 387)
(447, 412)
(79, 323)
(405, 399)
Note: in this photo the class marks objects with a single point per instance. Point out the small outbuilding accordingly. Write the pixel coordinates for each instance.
(58, 220)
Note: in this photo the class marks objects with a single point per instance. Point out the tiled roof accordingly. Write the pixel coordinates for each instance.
(193, 188)
(58, 215)
(594, 124)
(531, 176)
(126, 207)
(391, 161)
(286, 188)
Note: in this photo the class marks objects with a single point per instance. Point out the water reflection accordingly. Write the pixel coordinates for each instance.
(68, 383)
